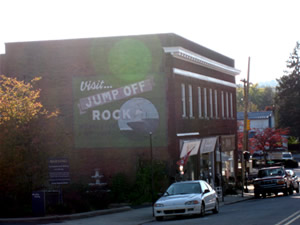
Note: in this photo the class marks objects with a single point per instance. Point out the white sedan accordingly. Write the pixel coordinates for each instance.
(187, 198)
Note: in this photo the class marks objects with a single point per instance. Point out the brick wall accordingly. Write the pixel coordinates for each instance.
(58, 62)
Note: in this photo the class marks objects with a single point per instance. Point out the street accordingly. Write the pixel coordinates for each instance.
(281, 210)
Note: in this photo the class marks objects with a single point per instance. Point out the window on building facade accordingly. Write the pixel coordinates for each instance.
(231, 106)
(227, 106)
(211, 103)
(205, 102)
(183, 100)
(216, 103)
(199, 102)
(191, 100)
(222, 104)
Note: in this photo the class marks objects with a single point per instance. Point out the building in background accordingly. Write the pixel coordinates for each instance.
(258, 120)
(118, 94)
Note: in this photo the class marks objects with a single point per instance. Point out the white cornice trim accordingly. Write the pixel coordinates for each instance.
(202, 77)
(187, 134)
(192, 57)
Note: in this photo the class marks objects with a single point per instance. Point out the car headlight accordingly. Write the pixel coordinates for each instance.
(158, 205)
(194, 202)
(281, 181)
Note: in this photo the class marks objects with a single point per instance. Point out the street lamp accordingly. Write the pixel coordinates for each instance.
(152, 180)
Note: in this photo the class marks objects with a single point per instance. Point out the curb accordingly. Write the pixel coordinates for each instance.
(242, 200)
(92, 213)
(68, 217)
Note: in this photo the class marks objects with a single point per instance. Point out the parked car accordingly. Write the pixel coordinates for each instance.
(272, 180)
(187, 198)
(259, 155)
(295, 180)
(287, 156)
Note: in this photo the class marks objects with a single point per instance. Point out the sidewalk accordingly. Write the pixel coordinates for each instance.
(231, 199)
(124, 215)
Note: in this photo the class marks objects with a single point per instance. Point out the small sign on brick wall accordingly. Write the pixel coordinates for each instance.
(59, 172)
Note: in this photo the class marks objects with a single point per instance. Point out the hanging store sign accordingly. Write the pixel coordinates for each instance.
(228, 142)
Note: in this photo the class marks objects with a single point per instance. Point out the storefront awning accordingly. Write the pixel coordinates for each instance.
(191, 146)
(208, 145)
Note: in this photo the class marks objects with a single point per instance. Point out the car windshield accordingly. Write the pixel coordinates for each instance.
(270, 172)
(290, 172)
(287, 155)
(183, 188)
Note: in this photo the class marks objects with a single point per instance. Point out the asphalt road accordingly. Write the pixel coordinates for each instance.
(281, 210)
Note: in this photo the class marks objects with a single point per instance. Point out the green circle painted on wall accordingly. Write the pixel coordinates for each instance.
(130, 60)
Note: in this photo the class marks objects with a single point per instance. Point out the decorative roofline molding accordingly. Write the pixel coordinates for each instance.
(202, 77)
(192, 57)
(187, 134)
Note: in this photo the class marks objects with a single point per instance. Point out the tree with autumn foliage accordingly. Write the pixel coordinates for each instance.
(28, 137)
(268, 139)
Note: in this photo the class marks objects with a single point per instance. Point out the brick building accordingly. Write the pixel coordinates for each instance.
(113, 91)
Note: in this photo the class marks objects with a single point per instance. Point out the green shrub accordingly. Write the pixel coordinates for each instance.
(74, 198)
(120, 188)
(97, 197)
(142, 190)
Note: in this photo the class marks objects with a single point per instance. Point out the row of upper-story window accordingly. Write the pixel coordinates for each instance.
(211, 103)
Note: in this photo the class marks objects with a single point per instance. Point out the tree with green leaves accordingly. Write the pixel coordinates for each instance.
(267, 98)
(260, 98)
(240, 98)
(288, 94)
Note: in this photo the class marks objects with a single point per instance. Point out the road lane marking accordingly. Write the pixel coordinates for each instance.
(286, 219)
(293, 220)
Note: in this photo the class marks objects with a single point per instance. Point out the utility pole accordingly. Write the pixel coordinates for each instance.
(246, 99)
(245, 141)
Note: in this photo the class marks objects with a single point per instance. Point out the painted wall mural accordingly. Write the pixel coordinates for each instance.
(120, 108)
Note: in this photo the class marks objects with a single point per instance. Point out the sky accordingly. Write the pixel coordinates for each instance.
(264, 30)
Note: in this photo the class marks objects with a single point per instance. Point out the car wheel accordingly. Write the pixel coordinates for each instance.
(285, 192)
(297, 189)
(264, 195)
(216, 209)
(202, 212)
(159, 218)
(256, 195)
